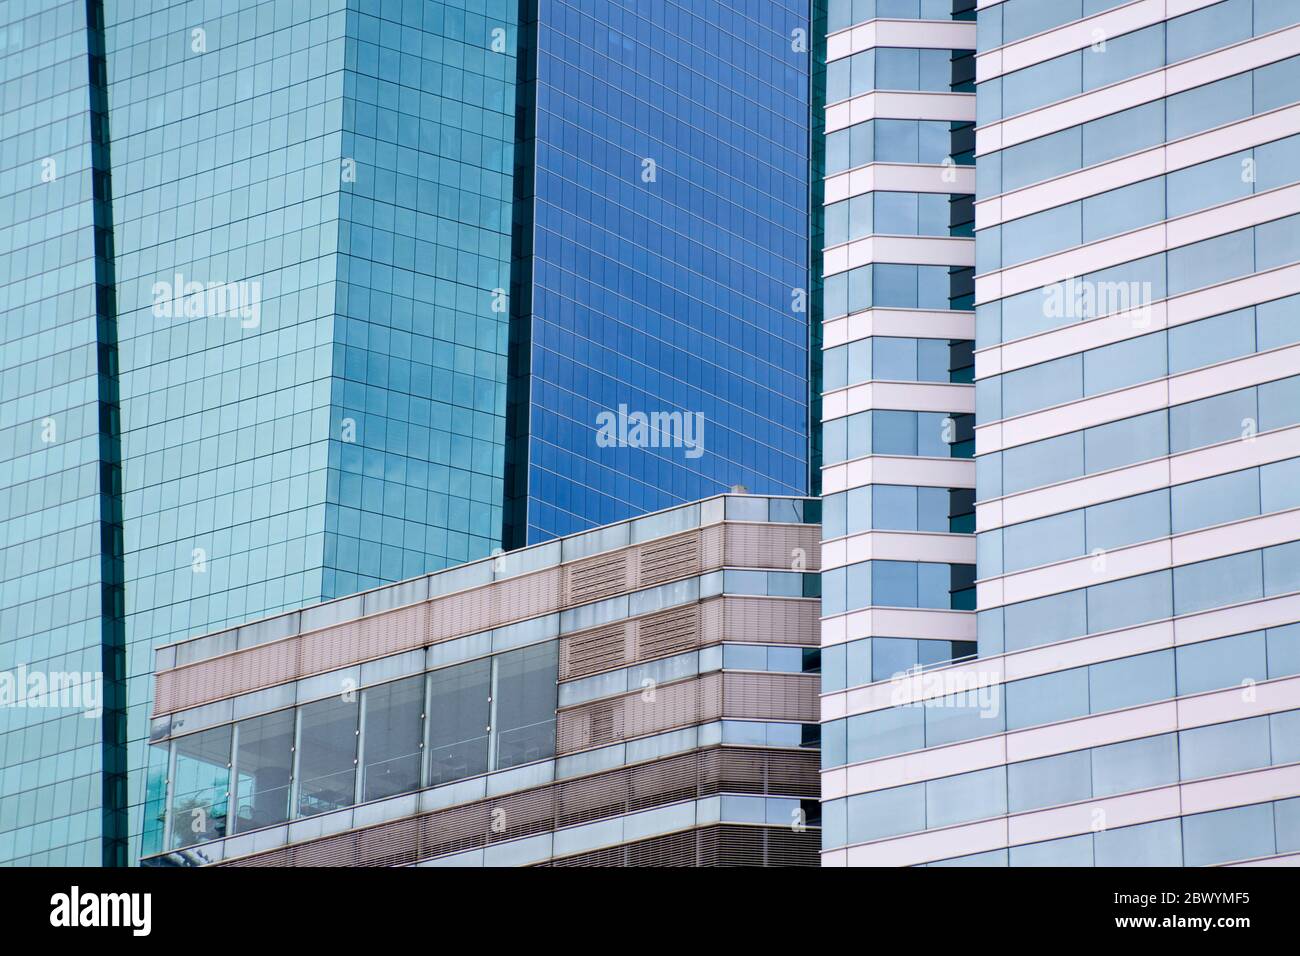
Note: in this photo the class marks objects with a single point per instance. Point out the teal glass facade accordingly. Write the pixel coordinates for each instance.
(312, 204)
(59, 542)
(350, 164)
(272, 329)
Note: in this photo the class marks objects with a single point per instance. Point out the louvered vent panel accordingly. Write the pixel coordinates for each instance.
(590, 652)
(663, 781)
(455, 830)
(668, 632)
(712, 613)
(669, 706)
(772, 696)
(786, 847)
(712, 546)
(784, 547)
(591, 725)
(710, 846)
(390, 844)
(670, 559)
(674, 849)
(739, 771)
(278, 857)
(589, 799)
(227, 676)
(794, 773)
(522, 814)
(771, 621)
(610, 856)
(515, 599)
(338, 850)
(729, 845)
(596, 578)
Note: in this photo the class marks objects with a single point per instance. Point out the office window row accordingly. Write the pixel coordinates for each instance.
(750, 657)
(1016, 19)
(1135, 285)
(1139, 127)
(1234, 661)
(900, 141)
(1144, 517)
(900, 69)
(1066, 778)
(888, 358)
(885, 213)
(889, 285)
(1201, 839)
(918, 584)
(888, 432)
(898, 508)
(1113, 59)
(1139, 204)
(1239, 414)
(362, 745)
(1145, 358)
(846, 13)
(871, 659)
(1158, 595)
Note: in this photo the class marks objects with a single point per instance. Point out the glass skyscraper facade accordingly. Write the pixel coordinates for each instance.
(669, 264)
(60, 540)
(1135, 699)
(291, 241)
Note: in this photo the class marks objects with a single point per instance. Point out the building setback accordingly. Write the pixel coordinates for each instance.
(640, 694)
(1136, 698)
(897, 334)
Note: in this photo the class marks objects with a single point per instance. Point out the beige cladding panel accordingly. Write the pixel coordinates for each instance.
(769, 621)
(527, 596)
(745, 696)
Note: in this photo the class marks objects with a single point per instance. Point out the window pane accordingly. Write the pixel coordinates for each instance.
(1224, 748)
(525, 696)
(1070, 851)
(1212, 420)
(200, 787)
(1049, 782)
(1241, 833)
(1149, 844)
(392, 740)
(1130, 681)
(1044, 541)
(459, 702)
(1129, 520)
(1199, 504)
(1125, 441)
(263, 765)
(1046, 699)
(1211, 665)
(1147, 597)
(886, 813)
(1238, 577)
(1211, 340)
(969, 796)
(327, 750)
(1134, 765)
